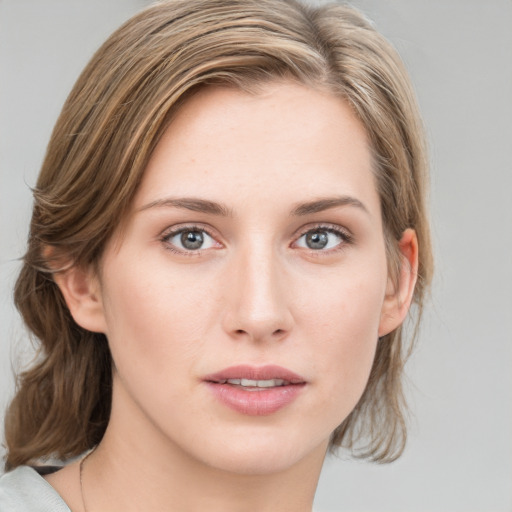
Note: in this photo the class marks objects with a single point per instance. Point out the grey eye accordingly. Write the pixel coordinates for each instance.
(192, 239)
(318, 239)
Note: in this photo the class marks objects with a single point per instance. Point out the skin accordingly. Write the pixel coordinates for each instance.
(255, 293)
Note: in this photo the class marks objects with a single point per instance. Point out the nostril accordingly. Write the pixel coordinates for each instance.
(277, 332)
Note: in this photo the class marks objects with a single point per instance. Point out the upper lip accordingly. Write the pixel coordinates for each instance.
(266, 372)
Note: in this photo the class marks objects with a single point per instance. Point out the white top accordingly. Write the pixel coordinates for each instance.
(24, 490)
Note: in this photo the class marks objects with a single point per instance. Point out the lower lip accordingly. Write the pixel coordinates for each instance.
(256, 403)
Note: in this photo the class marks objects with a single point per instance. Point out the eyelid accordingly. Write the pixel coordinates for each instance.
(342, 232)
(176, 229)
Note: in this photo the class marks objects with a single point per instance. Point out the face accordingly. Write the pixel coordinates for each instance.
(244, 297)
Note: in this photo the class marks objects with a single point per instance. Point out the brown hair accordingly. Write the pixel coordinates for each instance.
(109, 125)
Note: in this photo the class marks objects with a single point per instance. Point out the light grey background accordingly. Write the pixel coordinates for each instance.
(459, 52)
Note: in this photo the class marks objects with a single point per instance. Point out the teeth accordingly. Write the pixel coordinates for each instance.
(270, 383)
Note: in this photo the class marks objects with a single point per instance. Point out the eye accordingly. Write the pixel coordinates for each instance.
(190, 239)
(321, 238)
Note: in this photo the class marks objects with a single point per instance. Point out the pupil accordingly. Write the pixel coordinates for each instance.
(192, 239)
(316, 240)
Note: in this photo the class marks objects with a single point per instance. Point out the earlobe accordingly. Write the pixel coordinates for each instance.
(82, 293)
(400, 292)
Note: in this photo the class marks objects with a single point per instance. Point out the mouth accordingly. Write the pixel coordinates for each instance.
(255, 385)
(255, 391)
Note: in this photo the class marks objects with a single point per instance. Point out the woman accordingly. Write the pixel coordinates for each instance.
(229, 229)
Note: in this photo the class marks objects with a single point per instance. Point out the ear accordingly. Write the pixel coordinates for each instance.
(399, 295)
(82, 293)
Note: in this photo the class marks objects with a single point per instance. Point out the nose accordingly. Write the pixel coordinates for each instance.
(258, 307)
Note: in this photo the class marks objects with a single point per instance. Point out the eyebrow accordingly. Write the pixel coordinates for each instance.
(190, 203)
(327, 203)
(213, 208)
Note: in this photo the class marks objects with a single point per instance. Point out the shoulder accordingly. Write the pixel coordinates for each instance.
(25, 490)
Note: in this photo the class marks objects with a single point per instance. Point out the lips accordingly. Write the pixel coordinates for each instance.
(255, 391)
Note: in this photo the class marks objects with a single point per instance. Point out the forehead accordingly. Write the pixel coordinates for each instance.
(285, 142)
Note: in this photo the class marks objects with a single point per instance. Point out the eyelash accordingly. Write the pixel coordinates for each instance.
(169, 234)
(343, 234)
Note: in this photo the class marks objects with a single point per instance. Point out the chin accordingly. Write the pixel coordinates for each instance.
(262, 453)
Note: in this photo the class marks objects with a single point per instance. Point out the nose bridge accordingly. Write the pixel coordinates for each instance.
(258, 305)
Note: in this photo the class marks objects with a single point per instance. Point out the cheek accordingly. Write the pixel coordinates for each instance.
(342, 324)
(346, 309)
(155, 320)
